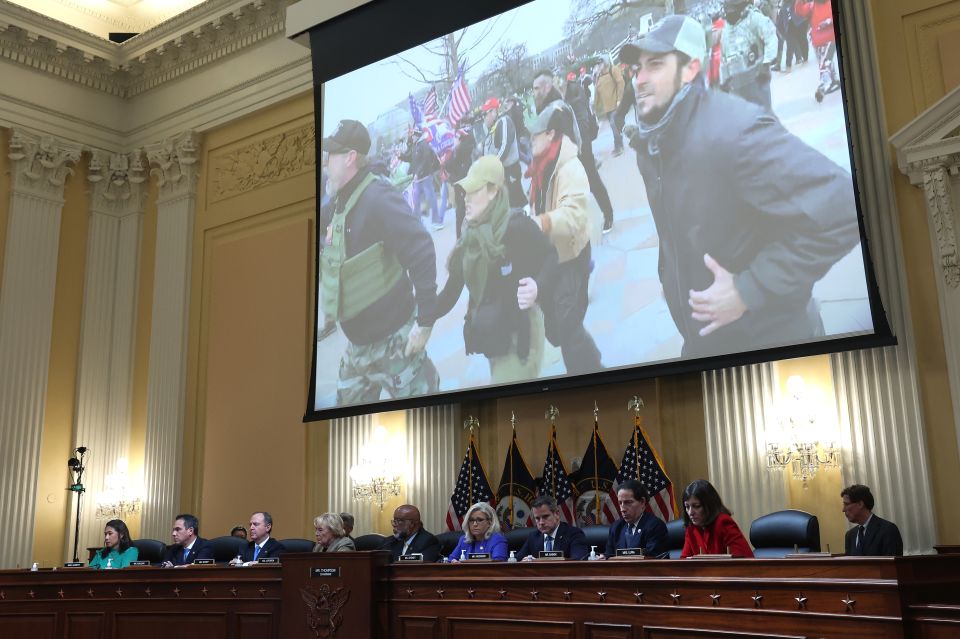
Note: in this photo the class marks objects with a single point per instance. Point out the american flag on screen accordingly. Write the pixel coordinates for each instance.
(556, 480)
(459, 101)
(430, 104)
(472, 487)
(640, 461)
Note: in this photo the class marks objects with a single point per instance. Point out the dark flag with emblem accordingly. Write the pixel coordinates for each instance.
(597, 503)
(556, 481)
(472, 487)
(641, 462)
(517, 490)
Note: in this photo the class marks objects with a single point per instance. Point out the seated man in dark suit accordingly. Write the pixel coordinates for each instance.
(409, 537)
(261, 545)
(552, 534)
(187, 545)
(872, 536)
(638, 528)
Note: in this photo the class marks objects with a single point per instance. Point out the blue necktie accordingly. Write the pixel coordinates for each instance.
(256, 552)
(186, 552)
(548, 543)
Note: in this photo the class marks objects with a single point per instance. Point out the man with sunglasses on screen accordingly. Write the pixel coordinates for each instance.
(378, 276)
(749, 217)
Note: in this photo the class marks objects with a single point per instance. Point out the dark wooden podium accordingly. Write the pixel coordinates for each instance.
(338, 594)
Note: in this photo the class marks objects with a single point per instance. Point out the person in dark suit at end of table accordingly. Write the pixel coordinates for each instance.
(261, 545)
(409, 537)
(638, 528)
(872, 536)
(551, 533)
(187, 545)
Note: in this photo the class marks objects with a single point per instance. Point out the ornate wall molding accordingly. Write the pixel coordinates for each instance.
(266, 161)
(117, 182)
(174, 162)
(41, 163)
(939, 198)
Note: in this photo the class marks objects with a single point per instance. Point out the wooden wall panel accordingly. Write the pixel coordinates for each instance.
(467, 628)
(419, 628)
(607, 631)
(654, 632)
(165, 625)
(85, 625)
(34, 626)
(253, 625)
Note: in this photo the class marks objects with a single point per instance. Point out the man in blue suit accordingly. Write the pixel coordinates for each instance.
(187, 546)
(552, 534)
(638, 528)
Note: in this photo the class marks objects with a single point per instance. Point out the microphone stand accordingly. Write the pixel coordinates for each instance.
(77, 468)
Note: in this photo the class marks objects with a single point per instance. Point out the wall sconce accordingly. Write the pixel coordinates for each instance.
(799, 443)
(377, 477)
(119, 499)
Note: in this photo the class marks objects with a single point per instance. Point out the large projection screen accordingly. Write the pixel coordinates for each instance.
(721, 226)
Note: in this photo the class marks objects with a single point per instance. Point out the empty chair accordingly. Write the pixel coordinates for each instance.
(783, 532)
(227, 547)
(372, 541)
(597, 536)
(516, 537)
(675, 538)
(448, 541)
(149, 550)
(298, 545)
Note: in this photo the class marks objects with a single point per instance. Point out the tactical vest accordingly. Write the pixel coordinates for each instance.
(348, 286)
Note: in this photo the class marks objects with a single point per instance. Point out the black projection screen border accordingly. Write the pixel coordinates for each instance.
(381, 28)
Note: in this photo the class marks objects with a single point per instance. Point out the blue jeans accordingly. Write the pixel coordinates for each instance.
(444, 194)
(424, 187)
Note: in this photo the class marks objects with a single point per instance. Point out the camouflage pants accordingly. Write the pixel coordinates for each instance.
(367, 370)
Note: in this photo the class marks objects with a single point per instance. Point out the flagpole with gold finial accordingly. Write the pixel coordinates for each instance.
(513, 427)
(635, 404)
(470, 423)
(596, 470)
(551, 414)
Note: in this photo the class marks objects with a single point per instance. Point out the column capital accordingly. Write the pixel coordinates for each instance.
(117, 182)
(40, 164)
(937, 191)
(175, 164)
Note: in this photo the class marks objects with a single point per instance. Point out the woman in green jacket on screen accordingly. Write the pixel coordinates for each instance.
(117, 551)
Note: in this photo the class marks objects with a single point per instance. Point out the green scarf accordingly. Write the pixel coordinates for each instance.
(481, 244)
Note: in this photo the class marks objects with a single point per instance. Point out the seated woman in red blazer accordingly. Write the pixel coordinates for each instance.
(708, 527)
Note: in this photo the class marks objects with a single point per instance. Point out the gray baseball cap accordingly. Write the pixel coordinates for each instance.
(673, 33)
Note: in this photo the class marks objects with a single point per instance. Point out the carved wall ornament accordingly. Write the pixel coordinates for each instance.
(41, 164)
(175, 163)
(939, 196)
(267, 161)
(117, 181)
(324, 609)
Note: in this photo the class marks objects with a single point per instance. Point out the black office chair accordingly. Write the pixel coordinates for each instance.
(783, 532)
(516, 537)
(372, 541)
(149, 549)
(675, 538)
(597, 536)
(227, 547)
(448, 541)
(298, 545)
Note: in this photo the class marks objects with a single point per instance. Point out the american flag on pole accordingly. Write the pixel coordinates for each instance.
(459, 101)
(430, 104)
(472, 487)
(556, 480)
(641, 461)
(597, 503)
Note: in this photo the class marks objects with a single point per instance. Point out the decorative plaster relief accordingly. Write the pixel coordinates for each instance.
(41, 164)
(266, 161)
(117, 182)
(174, 162)
(939, 196)
(923, 31)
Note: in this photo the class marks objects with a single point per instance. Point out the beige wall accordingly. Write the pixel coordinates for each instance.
(910, 37)
(4, 193)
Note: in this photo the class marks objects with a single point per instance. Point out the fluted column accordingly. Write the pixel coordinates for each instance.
(877, 394)
(432, 461)
(738, 403)
(104, 382)
(40, 167)
(174, 163)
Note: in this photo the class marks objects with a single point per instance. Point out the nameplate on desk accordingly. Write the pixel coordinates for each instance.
(412, 557)
(268, 560)
(630, 553)
(717, 556)
(74, 564)
(808, 555)
(204, 562)
(324, 572)
(550, 554)
(139, 562)
(478, 556)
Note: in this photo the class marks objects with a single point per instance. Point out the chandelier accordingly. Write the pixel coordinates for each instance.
(119, 499)
(377, 477)
(797, 443)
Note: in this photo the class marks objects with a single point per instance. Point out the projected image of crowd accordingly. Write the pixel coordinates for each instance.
(585, 185)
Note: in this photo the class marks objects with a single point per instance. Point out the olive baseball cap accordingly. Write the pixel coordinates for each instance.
(673, 33)
(486, 170)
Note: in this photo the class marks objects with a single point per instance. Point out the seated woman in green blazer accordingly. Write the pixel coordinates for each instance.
(116, 550)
